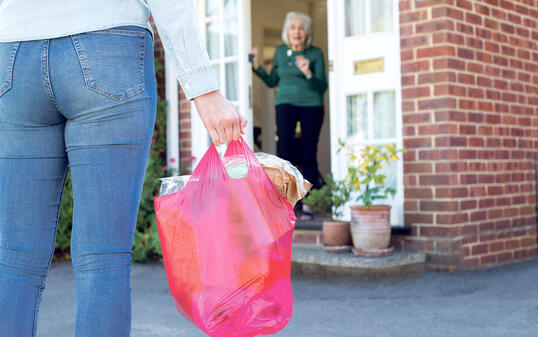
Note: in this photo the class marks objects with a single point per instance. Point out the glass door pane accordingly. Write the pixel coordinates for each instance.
(357, 117)
(355, 11)
(381, 18)
(230, 6)
(216, 69)
(384, 115)
(213, 39)
(230, 37)
(231, 75)
(211, 7)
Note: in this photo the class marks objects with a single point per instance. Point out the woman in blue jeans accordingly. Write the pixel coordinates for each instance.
(77, 92)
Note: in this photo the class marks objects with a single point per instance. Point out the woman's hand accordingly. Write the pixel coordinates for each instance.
(304, 65)
(255, 63)
(220, 117)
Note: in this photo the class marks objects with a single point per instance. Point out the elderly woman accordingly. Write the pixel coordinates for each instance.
(299, 71)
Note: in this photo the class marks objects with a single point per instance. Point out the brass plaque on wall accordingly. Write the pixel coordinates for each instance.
(368, 66)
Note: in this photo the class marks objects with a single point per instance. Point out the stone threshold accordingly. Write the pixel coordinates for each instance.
(312, 259)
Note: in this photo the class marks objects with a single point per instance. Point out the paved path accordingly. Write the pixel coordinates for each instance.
(500, 302)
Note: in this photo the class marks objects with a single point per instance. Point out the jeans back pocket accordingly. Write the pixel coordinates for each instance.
(112, 61)
(8, 50)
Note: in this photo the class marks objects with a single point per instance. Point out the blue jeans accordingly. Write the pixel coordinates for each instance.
(86, 102)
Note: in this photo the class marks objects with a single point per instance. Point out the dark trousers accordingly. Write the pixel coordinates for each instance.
(311, 119)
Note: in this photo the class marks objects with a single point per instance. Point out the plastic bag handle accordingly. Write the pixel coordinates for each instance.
(212, 162)
(240, 147)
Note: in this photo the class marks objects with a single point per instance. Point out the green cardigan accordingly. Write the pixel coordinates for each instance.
(294, 87)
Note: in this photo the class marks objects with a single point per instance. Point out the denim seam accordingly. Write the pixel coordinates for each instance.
(36, 308)
(79, 48)
(117, 31)
(45, 69)
(11, 64)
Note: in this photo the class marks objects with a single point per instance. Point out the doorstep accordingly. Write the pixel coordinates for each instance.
(312, 259)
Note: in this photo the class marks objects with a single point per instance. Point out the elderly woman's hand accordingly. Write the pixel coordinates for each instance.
(304, 65)
(255, 63)
(220, 117)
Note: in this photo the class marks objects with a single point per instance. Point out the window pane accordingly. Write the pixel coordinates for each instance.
(355, 17)
(230, 6)
(211, 7)
(381, 15)
(212, 42)
(230, 37)
(231, 81)
(216, 69)
(384, 115)
(357, 117)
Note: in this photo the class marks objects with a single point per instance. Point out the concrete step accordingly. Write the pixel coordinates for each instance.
(312, 259)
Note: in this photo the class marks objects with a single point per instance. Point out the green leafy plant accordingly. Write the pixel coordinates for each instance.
(63, 235)
(330, 198)
(364, 171)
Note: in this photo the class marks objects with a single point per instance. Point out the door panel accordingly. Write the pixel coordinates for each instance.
(225, 27)
(364, 84)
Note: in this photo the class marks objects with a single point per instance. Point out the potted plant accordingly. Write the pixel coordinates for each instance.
(330, 200)
(370, 224)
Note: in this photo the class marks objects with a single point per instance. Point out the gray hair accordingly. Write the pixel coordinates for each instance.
(307, 23)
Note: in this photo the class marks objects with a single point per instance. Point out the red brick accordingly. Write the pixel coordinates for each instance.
(451, 218)
(448, 63)
(454, 192)
(467, 204)
(411, 67)
(415, 92)
(505, 257)
(437, 179)
(417, 142)
(417, 167)
(449, 89)
(451, 167)
(428, 3)
(464, 4)
(442, 76)
(436, 51)
(439, 206)
(418, 193)
(418, 218)
(473, 18)
(450, 115)
(479, 249)
(437, 103)
(438, 231)
(413, 16)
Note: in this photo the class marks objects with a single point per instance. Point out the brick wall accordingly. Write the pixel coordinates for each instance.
(185, 148)
(470, 124)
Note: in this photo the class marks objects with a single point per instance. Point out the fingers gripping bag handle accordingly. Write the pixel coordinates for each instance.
(227, 248)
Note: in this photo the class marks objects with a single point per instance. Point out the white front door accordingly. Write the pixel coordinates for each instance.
(364, 84)
(225, 27)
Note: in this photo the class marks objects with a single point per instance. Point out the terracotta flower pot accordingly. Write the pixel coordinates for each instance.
(370, 230)
(336, 236)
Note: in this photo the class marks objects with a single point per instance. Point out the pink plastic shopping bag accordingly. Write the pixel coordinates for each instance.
(227, 248)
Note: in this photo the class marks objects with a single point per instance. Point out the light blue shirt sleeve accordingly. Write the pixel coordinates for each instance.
(178, 27)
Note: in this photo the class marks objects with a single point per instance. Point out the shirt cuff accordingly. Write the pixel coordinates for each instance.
(198, 82)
